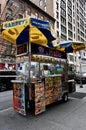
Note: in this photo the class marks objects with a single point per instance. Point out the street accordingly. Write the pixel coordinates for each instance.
(61, 116)
(5, 100)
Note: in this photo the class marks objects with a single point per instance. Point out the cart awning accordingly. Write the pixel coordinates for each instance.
(70, 46)
(27, 32)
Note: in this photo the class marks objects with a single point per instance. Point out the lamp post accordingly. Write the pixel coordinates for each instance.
(80, 73)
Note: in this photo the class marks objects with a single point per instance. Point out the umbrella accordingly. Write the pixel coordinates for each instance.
(70, 46)
(27, 32)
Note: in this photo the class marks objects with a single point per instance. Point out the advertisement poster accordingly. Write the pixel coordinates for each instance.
(19, 98)
(39, 98)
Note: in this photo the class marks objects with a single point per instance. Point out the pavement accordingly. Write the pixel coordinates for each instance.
(83, 89)
(61, 116)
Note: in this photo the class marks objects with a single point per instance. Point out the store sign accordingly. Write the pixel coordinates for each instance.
(40, 23)
(15, 23)
(41, 50)
(22, 49)
(7, 67)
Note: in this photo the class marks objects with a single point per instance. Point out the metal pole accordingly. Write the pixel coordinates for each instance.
(80, 74)
(29, 54)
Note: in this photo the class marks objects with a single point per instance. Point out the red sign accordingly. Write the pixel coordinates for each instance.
(8, 67)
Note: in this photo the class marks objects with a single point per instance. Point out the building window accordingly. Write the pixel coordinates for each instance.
(69, 18)
(63, 12)
(20, 16)
(52, 25)
(57, 24)
(36, 15)
(63, 4)
(63, 37)
(9, 15)
(57, 6)
(71, 57)
(40, 2)
(70, 33)
(21, 6)
(70, 26)
(63, 29)
(29, 11)
(74, 28)
(57, 34)
(42, 17)
(45, 8)
(57, 15)
(45, 1)
(63, 20)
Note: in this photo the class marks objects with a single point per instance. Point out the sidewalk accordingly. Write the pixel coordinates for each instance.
(78, 89)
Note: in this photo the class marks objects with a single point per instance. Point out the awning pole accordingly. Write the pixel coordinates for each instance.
(29, 55)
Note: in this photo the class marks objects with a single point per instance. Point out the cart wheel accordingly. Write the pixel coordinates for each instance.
(65, 97)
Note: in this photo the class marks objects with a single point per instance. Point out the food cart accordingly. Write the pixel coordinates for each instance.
(42, 71)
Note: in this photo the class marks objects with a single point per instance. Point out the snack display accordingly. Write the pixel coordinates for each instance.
(39, 98)
(52, 92)
(19, 98)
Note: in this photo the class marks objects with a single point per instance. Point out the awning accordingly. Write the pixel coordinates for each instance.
(70, 46)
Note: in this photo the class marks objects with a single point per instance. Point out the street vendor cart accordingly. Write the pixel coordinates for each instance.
(42, 71)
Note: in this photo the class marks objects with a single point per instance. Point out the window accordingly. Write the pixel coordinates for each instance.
(71, 57)
(36, 15)
(20, 16)
(42, 17)
(57, 6)
(70, 26)
(74, 28)
(9, 11)
(63, 29)
(63, 4)
(57, 15)
(57, 34)
(63, 12)
(69, 18)
(63, 37)
(69, 11)
(9, 15)
(40, 2)
(70, 33)
(45, 8)
(57, 24)
(63, 20)
(45, 1)
(21, 6)
(29, 11)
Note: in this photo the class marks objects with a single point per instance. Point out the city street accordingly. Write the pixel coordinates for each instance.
(61, 116)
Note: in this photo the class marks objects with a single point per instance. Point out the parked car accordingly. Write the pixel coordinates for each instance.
(2, 87)
(80, 77)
